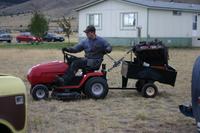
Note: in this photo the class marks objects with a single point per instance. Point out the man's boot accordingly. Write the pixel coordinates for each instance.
(59, 81)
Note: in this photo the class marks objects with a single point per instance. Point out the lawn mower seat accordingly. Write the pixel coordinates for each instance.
(92, 68)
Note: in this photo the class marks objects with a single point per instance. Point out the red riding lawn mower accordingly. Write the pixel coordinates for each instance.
(90, 82)
(149, 66)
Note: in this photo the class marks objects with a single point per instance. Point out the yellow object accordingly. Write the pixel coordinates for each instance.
(13, 104)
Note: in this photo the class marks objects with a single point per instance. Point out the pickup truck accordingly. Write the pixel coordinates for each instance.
(13, 104)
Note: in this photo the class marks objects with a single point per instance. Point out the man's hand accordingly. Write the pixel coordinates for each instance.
(108, 50)
(65, 49)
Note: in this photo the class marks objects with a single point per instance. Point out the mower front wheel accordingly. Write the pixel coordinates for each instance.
(149, 90)
(40, 92)
(96, 88)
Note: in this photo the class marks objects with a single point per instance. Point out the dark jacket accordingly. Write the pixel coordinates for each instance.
(93, 48)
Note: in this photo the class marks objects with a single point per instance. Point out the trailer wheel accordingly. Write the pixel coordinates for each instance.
(149, 90)
(96, 88)
(139, 84)
(40, 92)
(196, 90)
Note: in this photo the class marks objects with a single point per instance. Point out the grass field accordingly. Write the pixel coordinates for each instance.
(120, 112)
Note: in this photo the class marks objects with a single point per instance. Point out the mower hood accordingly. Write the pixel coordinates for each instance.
(46, 72)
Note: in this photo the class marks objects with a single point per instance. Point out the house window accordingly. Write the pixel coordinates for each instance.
(177, 13)
(129, 20)
(95, 19)
(194, 26)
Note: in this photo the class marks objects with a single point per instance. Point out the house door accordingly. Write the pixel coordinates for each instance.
(196, 31)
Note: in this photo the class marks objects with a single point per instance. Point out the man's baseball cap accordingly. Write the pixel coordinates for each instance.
(90, 28)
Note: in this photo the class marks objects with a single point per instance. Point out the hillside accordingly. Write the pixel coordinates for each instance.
(184, 1)
(7, 3)
(16, 14)
(53, 8)
(14, 1)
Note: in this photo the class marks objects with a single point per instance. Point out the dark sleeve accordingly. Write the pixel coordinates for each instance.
(108, 47)
(77, 48)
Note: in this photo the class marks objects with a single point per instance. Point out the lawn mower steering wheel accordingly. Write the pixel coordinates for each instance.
(68, 57)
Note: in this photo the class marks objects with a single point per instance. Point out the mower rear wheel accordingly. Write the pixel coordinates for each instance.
(40, 92)
(149, 90)
(96, 88)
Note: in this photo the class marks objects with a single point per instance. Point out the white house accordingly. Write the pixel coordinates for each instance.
(119, 20)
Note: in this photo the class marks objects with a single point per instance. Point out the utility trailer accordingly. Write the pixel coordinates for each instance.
(149, 66)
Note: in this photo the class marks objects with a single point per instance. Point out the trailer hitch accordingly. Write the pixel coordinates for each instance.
(115, 63)
(118, 62)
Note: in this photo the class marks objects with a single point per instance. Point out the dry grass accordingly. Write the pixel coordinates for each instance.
(121, 111)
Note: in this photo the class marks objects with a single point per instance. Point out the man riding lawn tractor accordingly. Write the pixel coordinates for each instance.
(60, 78)
(95, 48)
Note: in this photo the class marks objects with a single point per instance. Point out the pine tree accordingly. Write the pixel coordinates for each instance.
(39, 25)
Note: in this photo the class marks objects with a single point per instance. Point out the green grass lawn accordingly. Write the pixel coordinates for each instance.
(47, 45)
(60, 45)
(37, 45)
(121, 111)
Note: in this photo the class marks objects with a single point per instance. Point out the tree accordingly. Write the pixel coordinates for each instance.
(38, 25)
(65, 24)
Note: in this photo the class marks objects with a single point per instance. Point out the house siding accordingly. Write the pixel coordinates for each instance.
(161, 24)
(165, 24)
(196, 38)
(168, 41)
(111, 23)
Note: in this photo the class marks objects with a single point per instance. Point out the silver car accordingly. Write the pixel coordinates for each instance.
(5, 37)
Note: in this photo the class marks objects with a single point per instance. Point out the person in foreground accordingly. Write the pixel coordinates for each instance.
(94, 47)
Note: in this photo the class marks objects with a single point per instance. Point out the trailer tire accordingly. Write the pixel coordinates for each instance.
(149, 90)
(40, 92)
(196, 90)
(96, 88)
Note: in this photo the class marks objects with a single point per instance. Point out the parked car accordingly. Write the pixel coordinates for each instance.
(51, 37)
(27, 37)
(5, 37)
(13, 103)
(193, 110)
